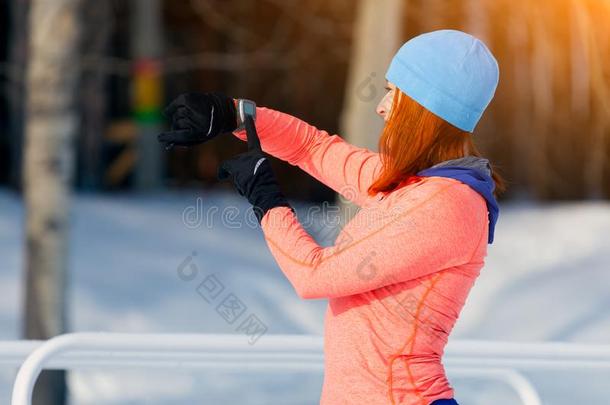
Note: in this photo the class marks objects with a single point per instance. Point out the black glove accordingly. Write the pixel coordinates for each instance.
(197, 118)
(252, 175)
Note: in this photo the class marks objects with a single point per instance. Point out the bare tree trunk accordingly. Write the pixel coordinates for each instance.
(97, 29)
(17, 59)
(433, 14)
(579, 57)
(543, 102)
(520, 125)
(588, 74)
(50, 126)
(377, 37)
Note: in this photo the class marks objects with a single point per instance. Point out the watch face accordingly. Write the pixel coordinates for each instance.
(249, 109)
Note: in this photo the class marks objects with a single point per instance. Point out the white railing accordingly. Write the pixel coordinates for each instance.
(483, 359)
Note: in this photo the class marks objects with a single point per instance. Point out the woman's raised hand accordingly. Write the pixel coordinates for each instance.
(198, 117)
(252, 175)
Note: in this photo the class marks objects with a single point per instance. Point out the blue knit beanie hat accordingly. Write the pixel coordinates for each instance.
(449, 72)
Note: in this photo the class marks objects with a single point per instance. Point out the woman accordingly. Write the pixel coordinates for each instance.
(400, 271)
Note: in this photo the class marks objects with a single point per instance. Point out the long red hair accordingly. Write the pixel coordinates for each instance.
(414, 139)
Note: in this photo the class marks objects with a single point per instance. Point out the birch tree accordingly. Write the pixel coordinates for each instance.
(377, 37)
(51, 120)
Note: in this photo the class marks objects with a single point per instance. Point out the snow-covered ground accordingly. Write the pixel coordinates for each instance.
(547, 277)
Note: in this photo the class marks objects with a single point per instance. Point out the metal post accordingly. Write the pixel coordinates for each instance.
(147, 98)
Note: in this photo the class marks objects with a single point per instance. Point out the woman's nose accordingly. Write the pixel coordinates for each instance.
(381, 110)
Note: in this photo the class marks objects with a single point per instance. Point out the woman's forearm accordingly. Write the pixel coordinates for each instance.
(345, 168)
(430, 233)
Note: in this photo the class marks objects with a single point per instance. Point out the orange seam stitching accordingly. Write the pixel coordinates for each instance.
(436, 279)
(412, 340)
(306, 264)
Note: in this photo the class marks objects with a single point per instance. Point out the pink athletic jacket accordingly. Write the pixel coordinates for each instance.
(397, 276)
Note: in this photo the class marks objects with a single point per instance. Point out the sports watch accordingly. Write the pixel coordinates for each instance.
(245, 107)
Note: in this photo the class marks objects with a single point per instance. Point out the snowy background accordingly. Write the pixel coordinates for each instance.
(547, 277)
